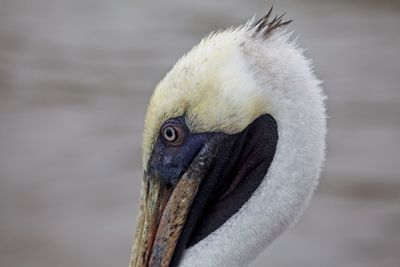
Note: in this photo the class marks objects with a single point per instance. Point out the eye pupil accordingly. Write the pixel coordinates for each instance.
(170, 134)
(173, 134)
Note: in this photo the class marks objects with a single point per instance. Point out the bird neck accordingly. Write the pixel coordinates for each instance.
(296, 102)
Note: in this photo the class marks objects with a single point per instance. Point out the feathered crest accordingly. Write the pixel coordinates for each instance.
(265, 26)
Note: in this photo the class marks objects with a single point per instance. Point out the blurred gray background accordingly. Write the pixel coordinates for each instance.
(75, 79)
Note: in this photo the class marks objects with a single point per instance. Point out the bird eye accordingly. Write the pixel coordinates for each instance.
(173, 134)
(170, 134)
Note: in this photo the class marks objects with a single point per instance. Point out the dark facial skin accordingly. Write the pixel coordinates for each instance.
(241, 164)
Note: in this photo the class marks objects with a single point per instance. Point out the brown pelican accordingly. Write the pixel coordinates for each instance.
(233, 145)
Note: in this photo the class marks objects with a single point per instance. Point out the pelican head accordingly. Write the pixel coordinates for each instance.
(233, 145)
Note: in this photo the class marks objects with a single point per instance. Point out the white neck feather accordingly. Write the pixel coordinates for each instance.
(296, 102)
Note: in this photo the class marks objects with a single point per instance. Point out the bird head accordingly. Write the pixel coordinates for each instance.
(232, 149)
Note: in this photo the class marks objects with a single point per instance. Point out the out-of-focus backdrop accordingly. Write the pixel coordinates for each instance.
(75, 79)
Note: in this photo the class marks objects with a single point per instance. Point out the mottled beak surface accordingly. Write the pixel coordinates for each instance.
(194, 183)
(164, 208)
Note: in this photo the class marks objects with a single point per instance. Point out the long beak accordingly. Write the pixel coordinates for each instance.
(164, 210)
